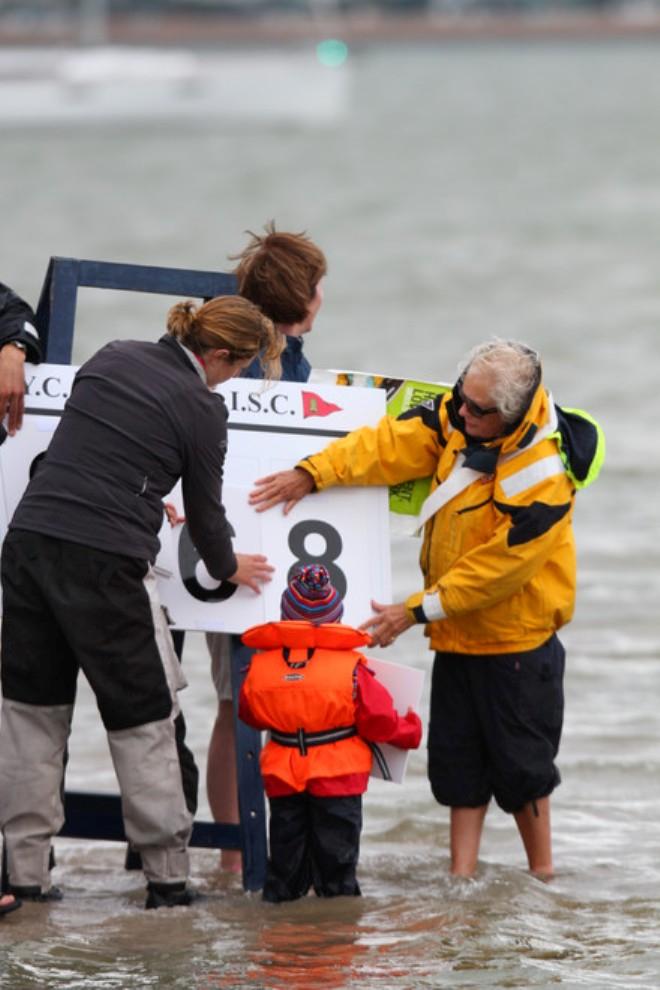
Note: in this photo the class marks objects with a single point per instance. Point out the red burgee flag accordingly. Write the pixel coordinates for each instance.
(314, 405)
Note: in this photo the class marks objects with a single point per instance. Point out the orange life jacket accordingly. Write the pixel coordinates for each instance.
(301, 686)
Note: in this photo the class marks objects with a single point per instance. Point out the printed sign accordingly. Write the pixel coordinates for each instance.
(401, 394)
(270, 428)
(47, 387)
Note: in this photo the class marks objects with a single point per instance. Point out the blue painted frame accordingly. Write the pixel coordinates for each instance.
(56, 310)
(98, 816)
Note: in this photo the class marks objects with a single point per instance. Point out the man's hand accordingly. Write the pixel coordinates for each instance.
(12, 387)
(253, 570)
(388, 622)
(285, 486)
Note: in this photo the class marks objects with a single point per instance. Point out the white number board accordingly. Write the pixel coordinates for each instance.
(47, 387)
(269, 430)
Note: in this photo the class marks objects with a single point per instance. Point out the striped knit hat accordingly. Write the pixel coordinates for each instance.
(310, 596)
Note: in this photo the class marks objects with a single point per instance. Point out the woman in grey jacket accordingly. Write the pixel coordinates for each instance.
(79, 591)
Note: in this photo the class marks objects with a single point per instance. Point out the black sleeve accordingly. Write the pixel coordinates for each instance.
(17, 322)
(201, 484)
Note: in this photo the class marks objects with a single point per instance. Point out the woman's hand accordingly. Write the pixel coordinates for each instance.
(173, 517)
(388, 622)
(285, 486)
(253, 570)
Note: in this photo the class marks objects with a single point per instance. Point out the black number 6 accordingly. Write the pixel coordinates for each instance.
(188, 560)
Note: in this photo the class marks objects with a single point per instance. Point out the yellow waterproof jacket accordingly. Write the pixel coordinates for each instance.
(498, 557)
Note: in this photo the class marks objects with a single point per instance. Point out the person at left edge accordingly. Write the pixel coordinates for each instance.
(19, 342)
(79, 589)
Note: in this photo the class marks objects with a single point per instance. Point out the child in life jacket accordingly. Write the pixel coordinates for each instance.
(310, 685)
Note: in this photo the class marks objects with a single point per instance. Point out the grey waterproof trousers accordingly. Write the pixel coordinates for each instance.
(68, 607)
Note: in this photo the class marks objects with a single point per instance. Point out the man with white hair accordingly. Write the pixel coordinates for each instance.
(498, 560)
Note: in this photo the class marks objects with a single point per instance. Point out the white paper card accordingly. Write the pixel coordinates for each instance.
(405, 684)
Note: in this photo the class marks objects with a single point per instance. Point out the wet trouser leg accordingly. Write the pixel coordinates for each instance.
(156, 818)
(288, 873)
(189, 778)
(158, 800)
(336, 824)
(32, 745)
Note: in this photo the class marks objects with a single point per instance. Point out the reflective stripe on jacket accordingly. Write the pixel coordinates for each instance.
(498, 558)
(304, 679)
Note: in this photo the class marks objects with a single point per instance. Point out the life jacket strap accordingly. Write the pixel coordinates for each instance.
(297, 664)
(302, 740)
(382, 763)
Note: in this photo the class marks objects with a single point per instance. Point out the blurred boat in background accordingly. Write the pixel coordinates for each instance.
(271, 61)
(88, 84)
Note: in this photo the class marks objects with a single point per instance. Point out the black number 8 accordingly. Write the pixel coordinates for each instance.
(333, 547)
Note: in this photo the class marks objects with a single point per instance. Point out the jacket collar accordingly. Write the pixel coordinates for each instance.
(293, 344)
(538, 414)
(483, 455)
(184, 354)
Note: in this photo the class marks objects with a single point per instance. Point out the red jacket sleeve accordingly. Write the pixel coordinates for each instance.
(377, 719)
(245, 712)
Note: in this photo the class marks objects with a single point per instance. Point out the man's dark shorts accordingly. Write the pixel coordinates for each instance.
(495, 726)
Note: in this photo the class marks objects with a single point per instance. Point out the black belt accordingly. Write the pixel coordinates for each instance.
(302, 740)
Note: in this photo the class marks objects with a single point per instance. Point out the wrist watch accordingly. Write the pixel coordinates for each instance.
(18, 343)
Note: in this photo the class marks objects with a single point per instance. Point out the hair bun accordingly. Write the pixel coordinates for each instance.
(182, 320)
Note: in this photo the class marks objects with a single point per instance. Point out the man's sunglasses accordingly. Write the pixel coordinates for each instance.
(472, 407)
